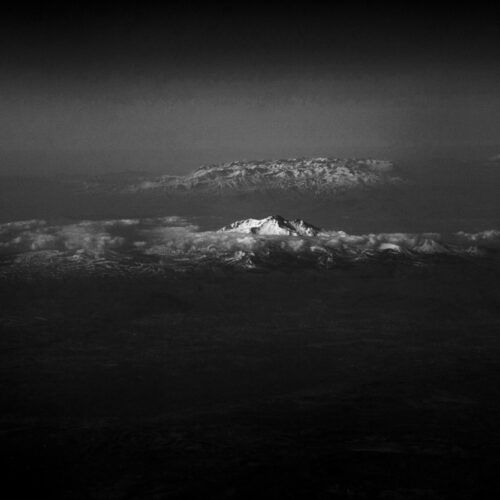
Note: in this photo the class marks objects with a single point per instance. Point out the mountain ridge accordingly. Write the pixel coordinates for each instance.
(322, 175)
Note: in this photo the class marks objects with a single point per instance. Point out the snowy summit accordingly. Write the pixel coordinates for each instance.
(273, 225)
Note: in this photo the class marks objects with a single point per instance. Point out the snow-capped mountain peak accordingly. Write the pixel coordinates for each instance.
(273, 225)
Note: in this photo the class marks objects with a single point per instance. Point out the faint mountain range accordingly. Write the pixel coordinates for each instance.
(303, 175)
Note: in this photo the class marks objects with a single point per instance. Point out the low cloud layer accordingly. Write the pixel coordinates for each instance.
(175, 242)
(91, 237)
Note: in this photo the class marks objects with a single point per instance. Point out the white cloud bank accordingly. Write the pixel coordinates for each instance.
(174, 241)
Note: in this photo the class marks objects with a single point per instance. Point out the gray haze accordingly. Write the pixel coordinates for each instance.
(173, 122)
(111, 88)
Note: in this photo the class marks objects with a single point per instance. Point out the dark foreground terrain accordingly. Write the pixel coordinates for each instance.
(370, 381)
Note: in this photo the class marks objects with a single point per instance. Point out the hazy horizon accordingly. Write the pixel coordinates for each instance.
(129, 89)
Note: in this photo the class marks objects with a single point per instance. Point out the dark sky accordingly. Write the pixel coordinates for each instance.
(111, 88)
